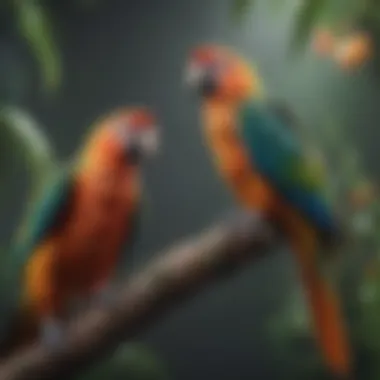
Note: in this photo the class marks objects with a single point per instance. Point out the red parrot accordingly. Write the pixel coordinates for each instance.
(78, 231)
(261, 158)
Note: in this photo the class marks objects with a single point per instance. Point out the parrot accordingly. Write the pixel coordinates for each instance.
(267, 169)
(87, 215)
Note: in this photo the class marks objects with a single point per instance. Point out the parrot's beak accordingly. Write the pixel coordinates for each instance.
(200, 79)
(193, 75)
(145, 146)
(150, 141)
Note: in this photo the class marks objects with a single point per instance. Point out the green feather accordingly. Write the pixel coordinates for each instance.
(309, 173)
(44, 215)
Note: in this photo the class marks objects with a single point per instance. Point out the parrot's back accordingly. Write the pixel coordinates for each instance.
(279, 156)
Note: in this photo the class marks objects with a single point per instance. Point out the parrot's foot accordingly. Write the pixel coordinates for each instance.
(52, 333)
(248, 222)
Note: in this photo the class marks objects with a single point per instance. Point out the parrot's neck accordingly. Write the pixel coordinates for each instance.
(221, 115)
(94, 163)
(218, 115)
(218, 104)
(228, 153)
(109, 178)
(219, 120)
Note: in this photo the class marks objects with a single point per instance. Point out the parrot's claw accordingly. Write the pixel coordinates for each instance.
(52, 333)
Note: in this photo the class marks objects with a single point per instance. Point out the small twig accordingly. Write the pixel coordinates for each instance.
(169, 280)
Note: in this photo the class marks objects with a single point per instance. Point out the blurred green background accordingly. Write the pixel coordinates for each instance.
(62, 64)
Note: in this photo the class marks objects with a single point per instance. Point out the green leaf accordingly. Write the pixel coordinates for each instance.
(343, 16)
(308, 13)
(240, 7)
(89, 4)
(34, 25)
(131, 361)
(278, 5)
(21, 129)
(3, 254)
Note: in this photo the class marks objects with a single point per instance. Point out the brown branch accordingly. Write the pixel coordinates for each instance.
(169, 280)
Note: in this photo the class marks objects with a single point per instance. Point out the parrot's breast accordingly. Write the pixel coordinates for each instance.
(233, 163)
(90, 243)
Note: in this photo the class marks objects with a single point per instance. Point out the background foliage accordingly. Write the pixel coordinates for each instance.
(341, 15)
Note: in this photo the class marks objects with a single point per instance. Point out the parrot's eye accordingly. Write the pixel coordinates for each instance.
(211, 77)
(137, 142)
(219, 66)
(206, 77)
(214, 69)
(123, 132)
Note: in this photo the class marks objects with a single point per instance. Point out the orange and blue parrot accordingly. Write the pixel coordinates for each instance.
(78, 231)
(261, 158)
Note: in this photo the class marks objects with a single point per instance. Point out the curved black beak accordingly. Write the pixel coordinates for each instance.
(143, 145)
(208, 85)
(133, 153)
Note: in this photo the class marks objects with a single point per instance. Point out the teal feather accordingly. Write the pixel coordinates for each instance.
(45, 214)
(43, 217)
(279, 156)
(51, 210)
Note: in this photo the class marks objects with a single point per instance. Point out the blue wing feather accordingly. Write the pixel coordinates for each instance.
(271, 145)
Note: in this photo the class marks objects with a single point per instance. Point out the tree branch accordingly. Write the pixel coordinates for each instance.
(170, 279)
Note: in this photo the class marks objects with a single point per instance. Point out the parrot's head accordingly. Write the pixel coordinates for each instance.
(129, 134)
(218, 73)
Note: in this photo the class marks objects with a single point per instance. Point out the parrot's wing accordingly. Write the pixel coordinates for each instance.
(288, 118)
(46, 213)
(279, 156)
(43, 217)
(283, 113)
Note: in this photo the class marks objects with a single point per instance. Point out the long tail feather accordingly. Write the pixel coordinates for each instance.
(330, 329)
